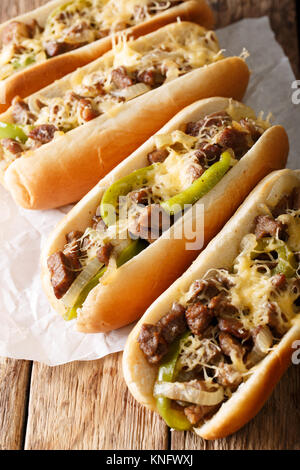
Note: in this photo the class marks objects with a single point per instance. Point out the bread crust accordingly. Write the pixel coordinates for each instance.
(153, 270)
(250, 396)
(74, 162)
(38, 76)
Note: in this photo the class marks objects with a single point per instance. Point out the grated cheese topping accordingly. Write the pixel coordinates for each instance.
(76, 23)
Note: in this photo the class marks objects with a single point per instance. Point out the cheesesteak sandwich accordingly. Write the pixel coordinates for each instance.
(208, 353)
(128, 239)
(45, 44)
(56, 144)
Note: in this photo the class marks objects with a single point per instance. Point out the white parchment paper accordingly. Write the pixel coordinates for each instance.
(29, 329)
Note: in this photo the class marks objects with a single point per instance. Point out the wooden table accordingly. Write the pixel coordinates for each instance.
(86, 405)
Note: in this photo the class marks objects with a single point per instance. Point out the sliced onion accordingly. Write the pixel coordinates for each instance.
(263, 341)
(133, 91)
(165, 140)
(33, 104)
(189, 392)
(80, 282)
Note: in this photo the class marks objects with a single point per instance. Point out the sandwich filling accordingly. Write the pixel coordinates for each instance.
(137, 209)
(217, 333)
(70, 26)
(121, 75)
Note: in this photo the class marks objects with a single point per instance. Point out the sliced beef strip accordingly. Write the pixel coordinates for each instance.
(233, 139)
(208, 154)
(21, 113)
(205, 287)
(74, 235)
(288, 201)
(198, 317)
(140, 196)
(157, 156)
(220, 118)
(173, 324)
(266, 226)
(73, 251)
(193, 128)
(61, 273)
(87, 112)
(103, 254)
(55, 48)
(220, 305)
(228, 376)
(230, 346)
(252, 128)
(195, 171)
(279, 281)
(34, 28)
(121, 78)
(152, 343)
(234, 327)
(195, 413)
(273, 319)
(12, 146)
(14, 32)
(43, 133)
(151, 223)
(151, 77)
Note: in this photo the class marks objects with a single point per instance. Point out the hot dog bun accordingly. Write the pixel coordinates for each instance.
(220, 253)
(64, 170)
(35, 77)
(120, 299)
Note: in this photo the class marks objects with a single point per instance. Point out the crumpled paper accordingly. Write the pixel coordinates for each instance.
(30, 329)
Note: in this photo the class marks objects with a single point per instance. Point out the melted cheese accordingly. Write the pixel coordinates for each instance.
(82, 22)
(172, 176)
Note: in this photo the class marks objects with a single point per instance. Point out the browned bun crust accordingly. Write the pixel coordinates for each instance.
(38, 76)
(250, 396)
(64, 170)
(123, 296)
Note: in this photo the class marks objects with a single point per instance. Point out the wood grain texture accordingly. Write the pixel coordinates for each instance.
(86, 405)
(276, 427)
(282, 14)
(14, 389)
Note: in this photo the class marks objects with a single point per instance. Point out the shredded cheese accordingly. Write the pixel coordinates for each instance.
(77, 23)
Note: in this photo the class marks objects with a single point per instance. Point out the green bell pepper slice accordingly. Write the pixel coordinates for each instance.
(133, 249)
(122, 187)
(175, 419)
(286, 261)
(201, 186)
(29, 61)
(11, 131)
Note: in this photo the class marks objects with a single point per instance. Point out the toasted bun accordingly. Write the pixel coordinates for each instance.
(64, 170)
(221, 251)
(121, 299)
(33, 78)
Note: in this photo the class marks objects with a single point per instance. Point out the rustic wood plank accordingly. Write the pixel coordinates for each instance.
(276, 427)
(14, 375)
(14, 388)
(86, 405)
(11, 8)
(282, 14)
